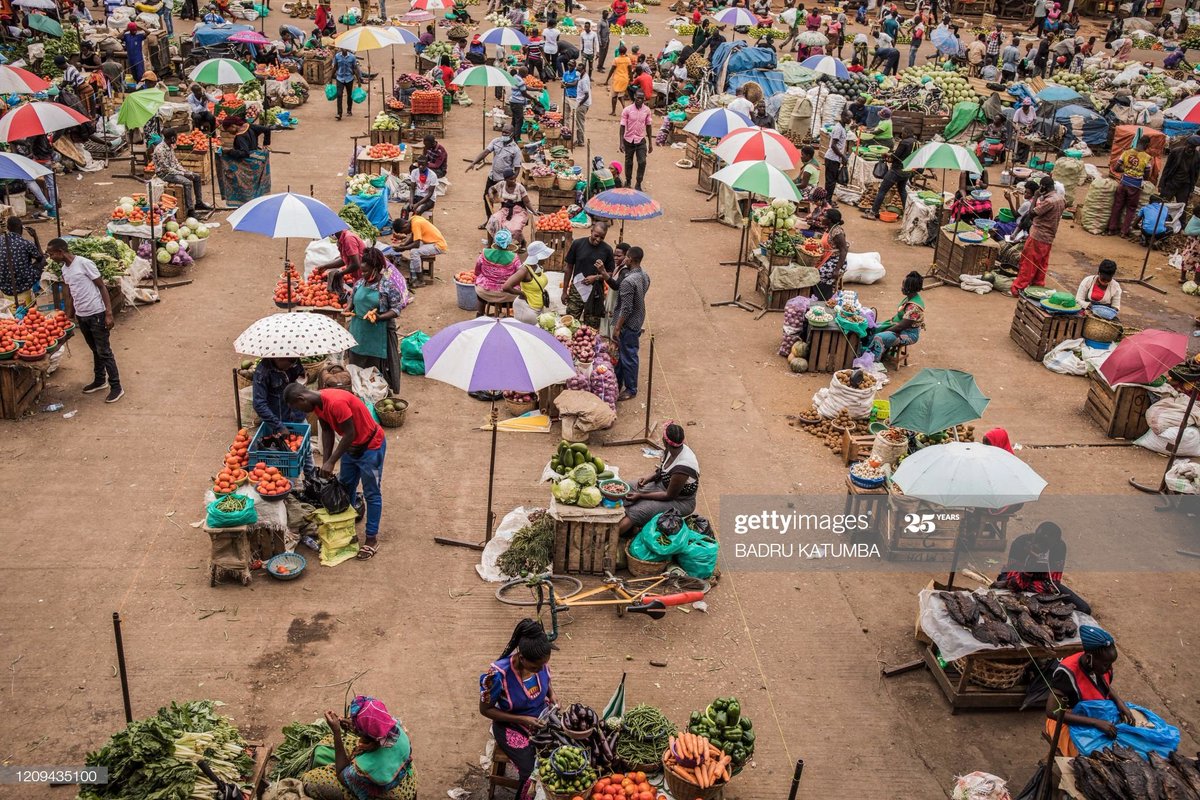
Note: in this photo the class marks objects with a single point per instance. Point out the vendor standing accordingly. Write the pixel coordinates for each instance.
(271, 377)
(583, 286)
(375, 304)
(360, 448)
(836, 248)
(133, 39)
(1035, 564)
(672, 487)
(1085, 676)
(514, 693)
(379, 767)
(1101, 290)
(345, 269)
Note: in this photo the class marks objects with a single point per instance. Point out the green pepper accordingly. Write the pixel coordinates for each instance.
(737, 754)
(718, 704)
(733, 734)
(748, 737)
(745, 724)
(721, 719)
(733, 711)
(696, 716)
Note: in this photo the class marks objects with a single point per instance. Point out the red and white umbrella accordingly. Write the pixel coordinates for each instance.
(1188, 110)
(33, 119)
(428, 5)
(758, 144)
(14, 80)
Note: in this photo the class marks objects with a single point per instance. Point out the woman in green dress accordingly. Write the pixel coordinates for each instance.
(378, 766)
(905, 326)
(376, 302)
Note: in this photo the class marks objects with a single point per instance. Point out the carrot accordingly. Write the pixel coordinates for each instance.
(673, 743)
(723, 767)
(683, 773)
(685, 746)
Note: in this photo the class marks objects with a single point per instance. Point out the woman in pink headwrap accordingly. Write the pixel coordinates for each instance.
(998, 437)
(378, 766)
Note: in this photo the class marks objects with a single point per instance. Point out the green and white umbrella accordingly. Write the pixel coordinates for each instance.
(220, 72)
(486, 77)
(140, 107)
(760, 178)
(940, 155)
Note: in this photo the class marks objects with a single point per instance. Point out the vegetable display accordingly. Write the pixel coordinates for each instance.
(155, 758)
(358, 222)
(226, 482)
(384, 151)
(385, 122)
(268, 481)
(579, 727)
(295, 753)
(779, 214)
(113, 257)
(531, 549)
(558, 221)
(696, 760)
(724, 725)
(361, 185)
(566, 771)
(645, 734)
(627, 786)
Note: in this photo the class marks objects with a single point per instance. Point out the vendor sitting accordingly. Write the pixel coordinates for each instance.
(435, 154)
(1085, 676)
(991, 144)
(1152, 220)
(493, 268)
(379, 766)
(973, 200)
(904, 328)
(882, 132)
(423, 183)
(271, 377)
(818, 203)
(1101, 291)
(1035, 564)
(673, 486)
(514, 693)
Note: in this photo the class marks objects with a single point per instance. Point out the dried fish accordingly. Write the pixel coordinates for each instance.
(1057, 610)
(961, 607)
(1189, 770)
(991, 606)
(1094, 782)
(1049, 597)
(1174, 787)
(1062, 628)
(993, 632)
(1033, 632)
(1011, 603)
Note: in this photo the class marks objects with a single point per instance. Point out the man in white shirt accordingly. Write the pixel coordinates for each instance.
(550, 47)
(589, 45)
(836, 154)
(88, 304)
(583, 102)
(741, 105)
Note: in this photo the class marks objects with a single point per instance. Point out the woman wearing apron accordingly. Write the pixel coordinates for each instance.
(375, 303)
(514, 693)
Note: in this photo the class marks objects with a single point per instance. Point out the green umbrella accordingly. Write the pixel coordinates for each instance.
(940, 155)
(616, 704)
(40, 22)
(937, 399)
(140, 107)
(220, 72)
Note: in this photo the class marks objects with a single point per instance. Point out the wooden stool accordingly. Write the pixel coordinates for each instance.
(897, 354)
(496, 775)
(427, 263)
(491, 309)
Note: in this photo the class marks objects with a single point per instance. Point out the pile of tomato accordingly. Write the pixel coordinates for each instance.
(269, 481)
(228, 479)
(384, 151)
(39, 333)
(626, 786)
(313, 292)
(239, 452)
(558, 221)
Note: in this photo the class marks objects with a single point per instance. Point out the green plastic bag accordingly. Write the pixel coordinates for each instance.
(359, 95)
(699, 558)
(412, 361)
(216, 518)
(647, 546)
(330, 91)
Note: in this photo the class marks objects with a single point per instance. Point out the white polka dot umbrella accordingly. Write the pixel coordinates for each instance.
(295, 335)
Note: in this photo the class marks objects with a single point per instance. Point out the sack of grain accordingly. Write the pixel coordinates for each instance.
(1098, 205)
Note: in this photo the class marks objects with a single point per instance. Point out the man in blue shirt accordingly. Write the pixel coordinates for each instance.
(345, 74)
(1153, 219)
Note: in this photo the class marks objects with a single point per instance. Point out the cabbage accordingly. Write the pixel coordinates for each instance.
(172, 226)
(201, 231)
(1191, 288)
(584, 475)
(547, 321)
(162, 256)
(172, 247)
(192, 222)
(565, 491)
(589, 497)
(562, 332)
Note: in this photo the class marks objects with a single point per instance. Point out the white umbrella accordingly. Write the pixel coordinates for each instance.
(736, 17)
(405, 36)
(47, 5)
(813, 39)
(367, 37)
(758, 178)
(296, 335)
(717, 123)
(968, 475)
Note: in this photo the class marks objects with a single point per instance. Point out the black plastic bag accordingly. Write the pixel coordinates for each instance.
(701, 525)
(669, 522)
(330, 494)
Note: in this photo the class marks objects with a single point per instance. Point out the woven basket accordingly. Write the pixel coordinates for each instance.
(392, 419)
(245, 377)
(564, 183)
(681, 788)
(643, 569)
(169, 270)
(517, 409)
(311, 370)
(544, 181)
(1101, 330)
(995, 674)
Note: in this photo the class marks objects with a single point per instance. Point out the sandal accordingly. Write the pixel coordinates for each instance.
(367, 551)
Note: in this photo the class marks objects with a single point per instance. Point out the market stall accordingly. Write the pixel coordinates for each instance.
(1038, 327)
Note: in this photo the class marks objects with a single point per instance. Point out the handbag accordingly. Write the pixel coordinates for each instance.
(1193, 226)
(880, 170)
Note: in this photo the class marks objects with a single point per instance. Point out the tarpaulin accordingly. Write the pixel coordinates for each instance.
(771, 81)
(1123, 138)
(961, 117)
(208, 35)
(1082, 123)
(375, 206)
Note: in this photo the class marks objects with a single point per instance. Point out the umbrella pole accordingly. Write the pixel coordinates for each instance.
(741, 259)
(1142, 280)
(953, 564)
(1187, 415)
(368, 90)
(487, 533)
(483, 121)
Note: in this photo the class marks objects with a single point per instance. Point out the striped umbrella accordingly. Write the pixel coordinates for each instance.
(486, 76)
(505, 37)
(940, 155)
(623, 204)
(717, 123)
(1188, 110)
(758, 144)
(286, 215)
(366, 37)
(404, 35)
(413, 17)
(33, 119)
(827, 65)
(14, 80)
(737, 17)
(760, 178)
(220, 72)
(20, 168)
(250, 37)
(428, 5)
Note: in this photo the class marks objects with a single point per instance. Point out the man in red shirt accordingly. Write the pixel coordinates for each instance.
(644, 81)
(360, 448)
(343, 271)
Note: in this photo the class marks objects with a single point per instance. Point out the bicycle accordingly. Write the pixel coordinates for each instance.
(650, 596)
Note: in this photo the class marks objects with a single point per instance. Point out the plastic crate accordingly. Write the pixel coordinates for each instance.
(289, 462)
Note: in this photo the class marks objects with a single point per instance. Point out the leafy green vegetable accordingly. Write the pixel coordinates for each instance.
(112, 256)
(358, 222)
(531, 548)
(295, 753)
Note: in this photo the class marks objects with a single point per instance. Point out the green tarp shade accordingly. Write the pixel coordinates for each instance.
(961, 117)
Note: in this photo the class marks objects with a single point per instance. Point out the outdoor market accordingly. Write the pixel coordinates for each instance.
(944, 544)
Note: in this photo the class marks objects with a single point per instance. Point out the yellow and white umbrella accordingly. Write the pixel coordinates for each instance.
(366, 37)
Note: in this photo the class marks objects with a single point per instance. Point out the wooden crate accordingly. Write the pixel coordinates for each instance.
(707, 165)
(20, 386)
(551, 200)
(547, 396)
(954, 258)
(317, 72)
(1120, 412)
(559, 242)
(906, 540)
(197, 162)
(1037, 331)
(585, 548)
(960, 692)
(776, 299)
(692, 150)
(372, 166)
(426, 124)
(830, 349)
(385, 137)
(913, 120)
(933, 125)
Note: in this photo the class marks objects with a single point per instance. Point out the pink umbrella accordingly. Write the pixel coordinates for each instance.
(428, 5)
(416, 15)
(250, 37)
(1143, 357)
(758, 144)
(14, 80)
(33, 119)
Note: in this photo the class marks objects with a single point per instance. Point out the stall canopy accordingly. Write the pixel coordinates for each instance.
(961, 117)
(208, 35)
(1124, 137)
(1052, 98)
(737, 63)
(1082, 123)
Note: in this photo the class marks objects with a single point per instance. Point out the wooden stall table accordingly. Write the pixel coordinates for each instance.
(586, 541)
(907, 542)
(1037, 331)
(1119, 411)
(428, 125)
(873, 502)
(774, 299)
(376, 166)
(197, 161)
(317, 70)
(547, 396)
(552, 199)
(953, 258)
(830, 348)
(20, 384)
(707, 165)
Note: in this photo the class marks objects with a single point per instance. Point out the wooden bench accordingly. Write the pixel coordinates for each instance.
(898, 355)
(493, 309)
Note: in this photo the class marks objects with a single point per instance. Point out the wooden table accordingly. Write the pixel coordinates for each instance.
(953, 258)
(551, 200)
(955, 679)
(559, 242)
(707, 164)
(872, 502)
(918, 531)
(1037, 331)
(830, 348)
(774, 299)
(1121, 411)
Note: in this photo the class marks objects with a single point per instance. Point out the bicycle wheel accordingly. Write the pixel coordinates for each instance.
(673, 584)
(518, 592)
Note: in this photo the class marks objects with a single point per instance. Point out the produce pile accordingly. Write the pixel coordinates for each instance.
(558, 221)
(238, 456)
(1119, 772)
(230, 105)
(268, 481)
(312, 293)
(384, 151)
(250, 92)
(196, 140)
(830, 430)
(696, 760)
(113, 257)
(35, 336)
(581, 472)
(524, 398)
(360, 184)
(294, 754)
(358, 222)
(579, 727)
(854, 85)
(779, 214)
(936, 90)
(583, 345)
(758, 32)
(227, 482)
(268, 72)
(155, 758)
(465, 277)
(723, 724)
(645, 735)
(385, 122)
(540, 171)
(566, 771)
(435, 51)
(627, 786)
(632, 28)
(532, 548)
(870, 470)
(1007, 620)
(135, 210)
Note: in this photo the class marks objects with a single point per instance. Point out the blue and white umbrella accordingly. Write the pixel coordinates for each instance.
(405, 36)
(826, 65)
(285, 215)
(717, 123)
(736, 17)
(20, 168)
(504, 37)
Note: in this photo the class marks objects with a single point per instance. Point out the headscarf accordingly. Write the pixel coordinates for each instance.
(615, 167)
(998, 437)
(370, 717)
(1094, 638)
(502, 239)
(885, 113)
(131, 27)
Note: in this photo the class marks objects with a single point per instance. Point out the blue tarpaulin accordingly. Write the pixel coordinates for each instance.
(208, 35)
(1095, 127)
(743, 64)
(375, 206)
(1174, 127)
(1159, 737)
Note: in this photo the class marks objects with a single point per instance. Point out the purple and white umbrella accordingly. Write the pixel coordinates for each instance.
(827, 65)
(717, 123)
(503, 37)
(492, 355)
(736, 17)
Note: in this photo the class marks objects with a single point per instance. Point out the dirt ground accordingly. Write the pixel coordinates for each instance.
(101, 507)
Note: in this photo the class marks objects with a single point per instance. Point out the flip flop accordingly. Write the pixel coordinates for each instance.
(367, 551)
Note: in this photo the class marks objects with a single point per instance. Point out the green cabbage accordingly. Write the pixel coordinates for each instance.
(547, 322)
(565, 491)
(584, 475)
(589, 497)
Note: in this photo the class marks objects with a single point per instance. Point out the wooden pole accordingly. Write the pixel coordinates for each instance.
(487, 534)
(116, 618)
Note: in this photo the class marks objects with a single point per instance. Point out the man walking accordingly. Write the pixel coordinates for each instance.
(1132, 165)
(583, 102)
(1047, 211)
(346, 73)
(589, 43)
(628, 318)
(896, 176)
(360, 449)
(602, 39)
(570, 79)
(1010, 60)
(836, 153)
(506, 157)
(1039, 17)
(635, 140)
(88, 304)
